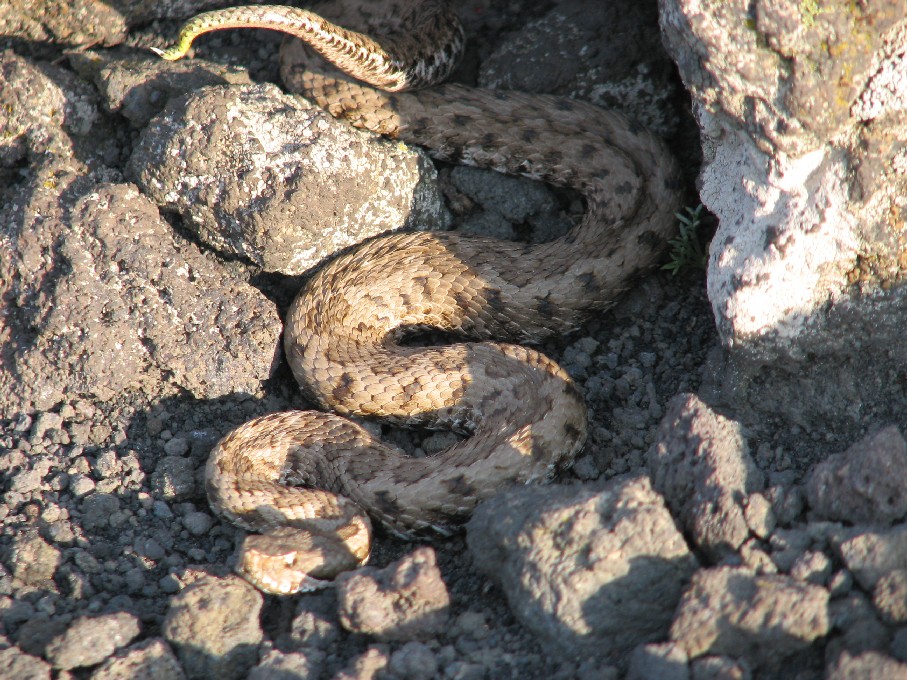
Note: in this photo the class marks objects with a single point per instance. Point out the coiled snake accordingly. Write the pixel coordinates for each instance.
(303, 478)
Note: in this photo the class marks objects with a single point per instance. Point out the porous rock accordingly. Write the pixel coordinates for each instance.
(589, 571)
(404, 601)
(32, 560)
(78, 22)
(867, 484)
(261, 174)
(139, 86)
(890, 597)
(120, 303)
(666, 661)
(147, 660)
(700, 463)
(214, 627)
(277, 665)
(866, 665)
(91, 639)
(800, 108)
(44, 111)
(23, 666)
(734, 612)
(870, 553)
(628, 72)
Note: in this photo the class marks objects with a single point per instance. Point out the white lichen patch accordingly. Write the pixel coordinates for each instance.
(787, 238)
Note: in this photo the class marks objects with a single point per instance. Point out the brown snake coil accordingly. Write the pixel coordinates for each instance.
(342, 338)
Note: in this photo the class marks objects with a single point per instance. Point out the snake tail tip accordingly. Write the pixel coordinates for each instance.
(169, 54)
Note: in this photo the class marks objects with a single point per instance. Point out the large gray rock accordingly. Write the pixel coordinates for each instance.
(628, 71)
(734, 612)
(151, 659)
(701, 464)
(261, 174)
(98, 295)
(138, 86)
(213, 625)
(91, 639)
(404, 601)
(800, 108)
(871, 553)
(867, 484)
(591, 572)
(120, 303)
(866, 666)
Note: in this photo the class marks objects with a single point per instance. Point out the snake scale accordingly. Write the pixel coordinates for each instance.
(307, 481)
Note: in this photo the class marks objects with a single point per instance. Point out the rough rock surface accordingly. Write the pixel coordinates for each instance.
(213, 625)
(594, 570)
(34, 561)
(149, 660)
(627, 70)
(719, 668)
(90, 640)
(866, 665)
(800, 108)
(99, 295)
(121, 303)
(404, 601)
(729, 610)
(871, 553)
(277, 665)
(77, 23)
(666, 660)
(701, 465)
(138, 89)
(275, 179)
(867, 484)
(24, 666)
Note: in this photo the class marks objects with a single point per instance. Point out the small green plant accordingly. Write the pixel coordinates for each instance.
(687, 250)
(809, 10)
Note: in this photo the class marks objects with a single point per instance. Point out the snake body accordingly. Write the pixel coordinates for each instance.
(306, 479)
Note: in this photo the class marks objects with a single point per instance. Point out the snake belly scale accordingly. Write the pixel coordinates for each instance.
(308, 481)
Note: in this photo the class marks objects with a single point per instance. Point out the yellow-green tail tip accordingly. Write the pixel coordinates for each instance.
(170, 54)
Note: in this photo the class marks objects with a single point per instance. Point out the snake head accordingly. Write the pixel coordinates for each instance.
(289, 560)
